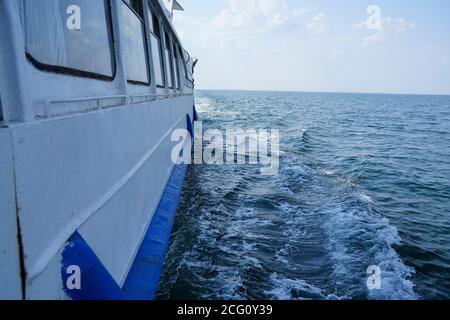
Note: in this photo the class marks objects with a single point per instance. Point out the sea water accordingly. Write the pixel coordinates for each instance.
(364, 180)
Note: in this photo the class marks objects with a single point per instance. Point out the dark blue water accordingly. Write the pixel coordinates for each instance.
(364, 180)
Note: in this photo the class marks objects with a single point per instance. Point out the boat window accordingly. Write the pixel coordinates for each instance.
(136, 5)
(188, 67)
(69, 36)
(157, 50)
(1, 110)
(177, 66)
(183, 63)
(169, 60)
(134, 43)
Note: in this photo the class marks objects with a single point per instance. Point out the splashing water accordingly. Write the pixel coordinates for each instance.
(363, 180)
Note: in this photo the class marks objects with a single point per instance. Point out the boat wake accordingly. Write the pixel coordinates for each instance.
(309, 232)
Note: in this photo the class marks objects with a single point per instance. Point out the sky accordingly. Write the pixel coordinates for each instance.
(317, 45)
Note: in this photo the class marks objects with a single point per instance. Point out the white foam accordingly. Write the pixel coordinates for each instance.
(281, 256)
(290, 289)
(358, 238)
(364, 197)
(249, 246)
(328, 172)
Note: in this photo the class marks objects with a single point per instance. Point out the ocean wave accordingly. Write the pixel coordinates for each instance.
(312, 231)
(357, 235)
(328, 172)
(295, 289)
(360, 237)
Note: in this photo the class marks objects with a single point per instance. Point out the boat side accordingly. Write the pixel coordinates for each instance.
(85, 156)
(99, 182)
(11, 283)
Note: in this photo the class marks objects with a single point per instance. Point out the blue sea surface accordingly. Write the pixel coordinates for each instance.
(364, 180)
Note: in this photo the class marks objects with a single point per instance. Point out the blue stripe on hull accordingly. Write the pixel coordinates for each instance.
(143, 279)
(96, 282)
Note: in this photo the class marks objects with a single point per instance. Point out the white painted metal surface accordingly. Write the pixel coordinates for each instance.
(10, 282)
(78, 154)
(102, 173)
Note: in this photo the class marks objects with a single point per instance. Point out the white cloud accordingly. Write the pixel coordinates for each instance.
(278, 20)
(250, 16)
(238, 23)
(243, 41)
(268, 7)
(300, 12)
(233, 25)
(319, 24)
(230, 19)
(391, 29)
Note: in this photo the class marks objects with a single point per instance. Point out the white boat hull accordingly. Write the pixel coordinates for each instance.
(99, 173)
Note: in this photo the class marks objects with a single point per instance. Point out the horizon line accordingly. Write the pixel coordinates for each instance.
(334, 92)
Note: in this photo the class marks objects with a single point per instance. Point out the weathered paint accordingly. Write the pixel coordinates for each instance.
(10, 281)
(13, 71)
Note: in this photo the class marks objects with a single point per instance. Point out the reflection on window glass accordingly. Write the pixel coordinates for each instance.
(169, 60)
(157, 61)
(157, 50)
(183, 63)
(137, 6)
(177, 67)
(69, 34)
(134, 45)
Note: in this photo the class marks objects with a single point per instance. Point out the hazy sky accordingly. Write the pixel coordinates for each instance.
(317, 45)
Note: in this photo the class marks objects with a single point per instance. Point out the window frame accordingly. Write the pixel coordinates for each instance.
(168, 46)
(142, 19)
(1, 110)
(177, 68)
(191, 82)
(129, 4)
(180, 51)
(81, 73)
(161, 48)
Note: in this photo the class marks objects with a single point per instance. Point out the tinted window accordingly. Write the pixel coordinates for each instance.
(137, 6)
(157, 50)
(177, 66)
(169, 60)
(134, 44)
(69, 35)
(155, 26)
(183, 63)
